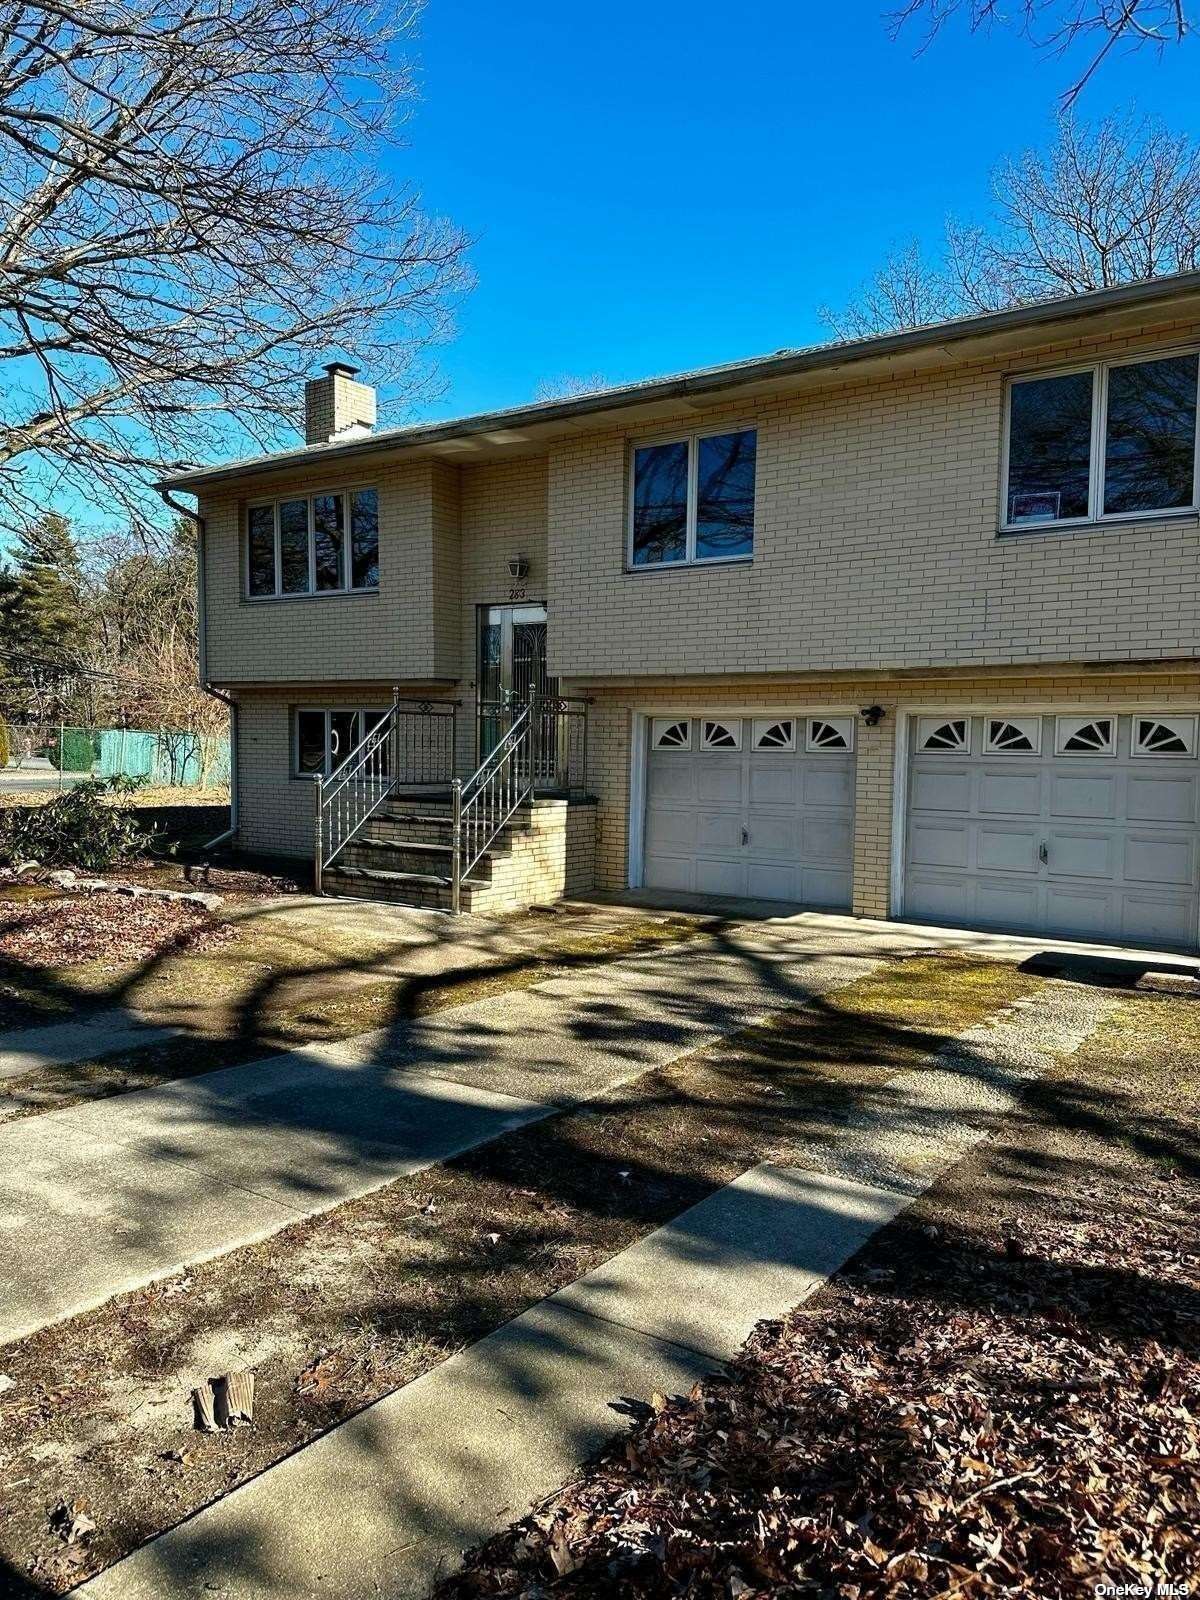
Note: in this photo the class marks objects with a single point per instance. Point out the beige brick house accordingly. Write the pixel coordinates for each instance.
(905, 626)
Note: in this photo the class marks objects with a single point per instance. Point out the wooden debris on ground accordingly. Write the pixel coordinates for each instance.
(224, 1402)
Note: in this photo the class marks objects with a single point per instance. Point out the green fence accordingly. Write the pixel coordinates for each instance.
(166, 758)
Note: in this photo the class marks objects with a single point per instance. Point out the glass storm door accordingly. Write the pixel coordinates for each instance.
(512, 668)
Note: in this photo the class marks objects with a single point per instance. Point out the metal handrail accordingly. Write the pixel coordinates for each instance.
(484, 802)
(354, 791)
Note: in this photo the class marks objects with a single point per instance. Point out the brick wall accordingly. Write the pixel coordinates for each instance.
(876, 517)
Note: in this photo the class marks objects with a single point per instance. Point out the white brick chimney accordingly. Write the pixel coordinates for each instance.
(336, 407)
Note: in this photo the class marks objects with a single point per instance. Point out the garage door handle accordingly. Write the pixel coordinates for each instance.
(745, 835)
(1044, 853)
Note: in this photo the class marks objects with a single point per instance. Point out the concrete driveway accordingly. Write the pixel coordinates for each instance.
(103, 1197)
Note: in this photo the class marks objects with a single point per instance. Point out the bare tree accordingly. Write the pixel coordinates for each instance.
(1110, 202)
(567, 384)
(1059, 26)
(190, 215)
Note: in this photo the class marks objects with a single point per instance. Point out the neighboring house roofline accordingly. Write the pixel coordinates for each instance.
(544, 415)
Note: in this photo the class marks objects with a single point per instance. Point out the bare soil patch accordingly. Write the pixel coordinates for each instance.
(335, 1312)
(999, 1396)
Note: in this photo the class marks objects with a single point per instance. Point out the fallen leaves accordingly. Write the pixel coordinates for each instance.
(113, 928)
(981, 1430)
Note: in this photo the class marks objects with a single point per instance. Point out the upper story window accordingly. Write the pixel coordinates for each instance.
(1115, 439)
(692, 500)
(318, 544)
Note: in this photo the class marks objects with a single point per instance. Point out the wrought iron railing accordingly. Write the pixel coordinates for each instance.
(413, 742)
(559, 745)
(485, 801)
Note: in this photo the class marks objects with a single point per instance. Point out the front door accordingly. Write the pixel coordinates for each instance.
(512, 668)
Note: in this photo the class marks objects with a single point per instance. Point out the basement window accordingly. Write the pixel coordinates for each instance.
(323, 738)
(1113, 440)
(316, 544)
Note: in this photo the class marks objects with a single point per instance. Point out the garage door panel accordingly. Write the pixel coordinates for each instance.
(825, 887)
(941, 844)
(1158, 919)
(774, 783)
(670, 779)
(824, 784)
(720, 877)
(670, 830)
(1160, 858)
(772, 835)
(942, 791)
(1006, 850)
(718, 830)
(773, 881)
(1016, 794)
(1006, 905)
(1083, 795)
(718, 781)
(1098, 846)
(1075, 911)
(1080, 854)
(827, 839)
(1162, 799)
(671, 872)
(939, 899)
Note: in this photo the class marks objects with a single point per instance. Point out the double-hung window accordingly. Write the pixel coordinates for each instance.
(313, 544)
(691, 500)
(322, 739)
(1116, 439)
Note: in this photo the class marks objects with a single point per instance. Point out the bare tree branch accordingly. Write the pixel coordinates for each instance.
(192, 215)
(1111, 202)
(1057, 27)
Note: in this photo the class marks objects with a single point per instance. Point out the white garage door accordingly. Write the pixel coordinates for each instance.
(1081, 826)
(751, 806)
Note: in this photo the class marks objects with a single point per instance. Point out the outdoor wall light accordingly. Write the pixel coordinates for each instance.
(518, 567)
(872, 715)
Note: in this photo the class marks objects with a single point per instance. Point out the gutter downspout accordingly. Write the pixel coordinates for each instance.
(202, 662)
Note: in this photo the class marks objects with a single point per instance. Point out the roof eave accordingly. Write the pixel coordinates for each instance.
(707, 380)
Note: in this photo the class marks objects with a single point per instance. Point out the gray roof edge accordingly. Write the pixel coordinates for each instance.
(782, 364)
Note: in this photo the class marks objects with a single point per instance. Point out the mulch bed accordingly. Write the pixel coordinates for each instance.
(103, 927)
(1003, 1404)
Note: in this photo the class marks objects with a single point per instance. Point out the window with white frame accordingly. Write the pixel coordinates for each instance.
(1163, 736)
(313, 544)
(671, 733)
(829, 733)
(692, 500)
(1012, 735)
(1114, 439)
(322, 737)
(1085, 736)
(936, 733)
(720, 735)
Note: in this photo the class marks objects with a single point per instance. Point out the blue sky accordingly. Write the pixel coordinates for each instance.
(664, 186)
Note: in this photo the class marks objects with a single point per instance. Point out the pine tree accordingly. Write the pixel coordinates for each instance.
(42, 619)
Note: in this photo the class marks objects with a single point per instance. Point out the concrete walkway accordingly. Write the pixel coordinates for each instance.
(386, 1503)
(59, 1043)
(103, 1197)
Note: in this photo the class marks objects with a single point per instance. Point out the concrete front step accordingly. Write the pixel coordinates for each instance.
(430, 891)
(417, 857)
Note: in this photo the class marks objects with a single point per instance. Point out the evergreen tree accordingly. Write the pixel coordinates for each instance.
(43, 614)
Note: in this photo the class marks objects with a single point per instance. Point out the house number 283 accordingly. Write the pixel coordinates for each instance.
(516, 594)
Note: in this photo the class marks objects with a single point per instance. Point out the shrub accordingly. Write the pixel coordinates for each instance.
(90, 825)
(75, 750)
(5, 742)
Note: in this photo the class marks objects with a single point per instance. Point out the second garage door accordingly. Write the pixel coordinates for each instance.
(1085, 826)
(752, 806)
